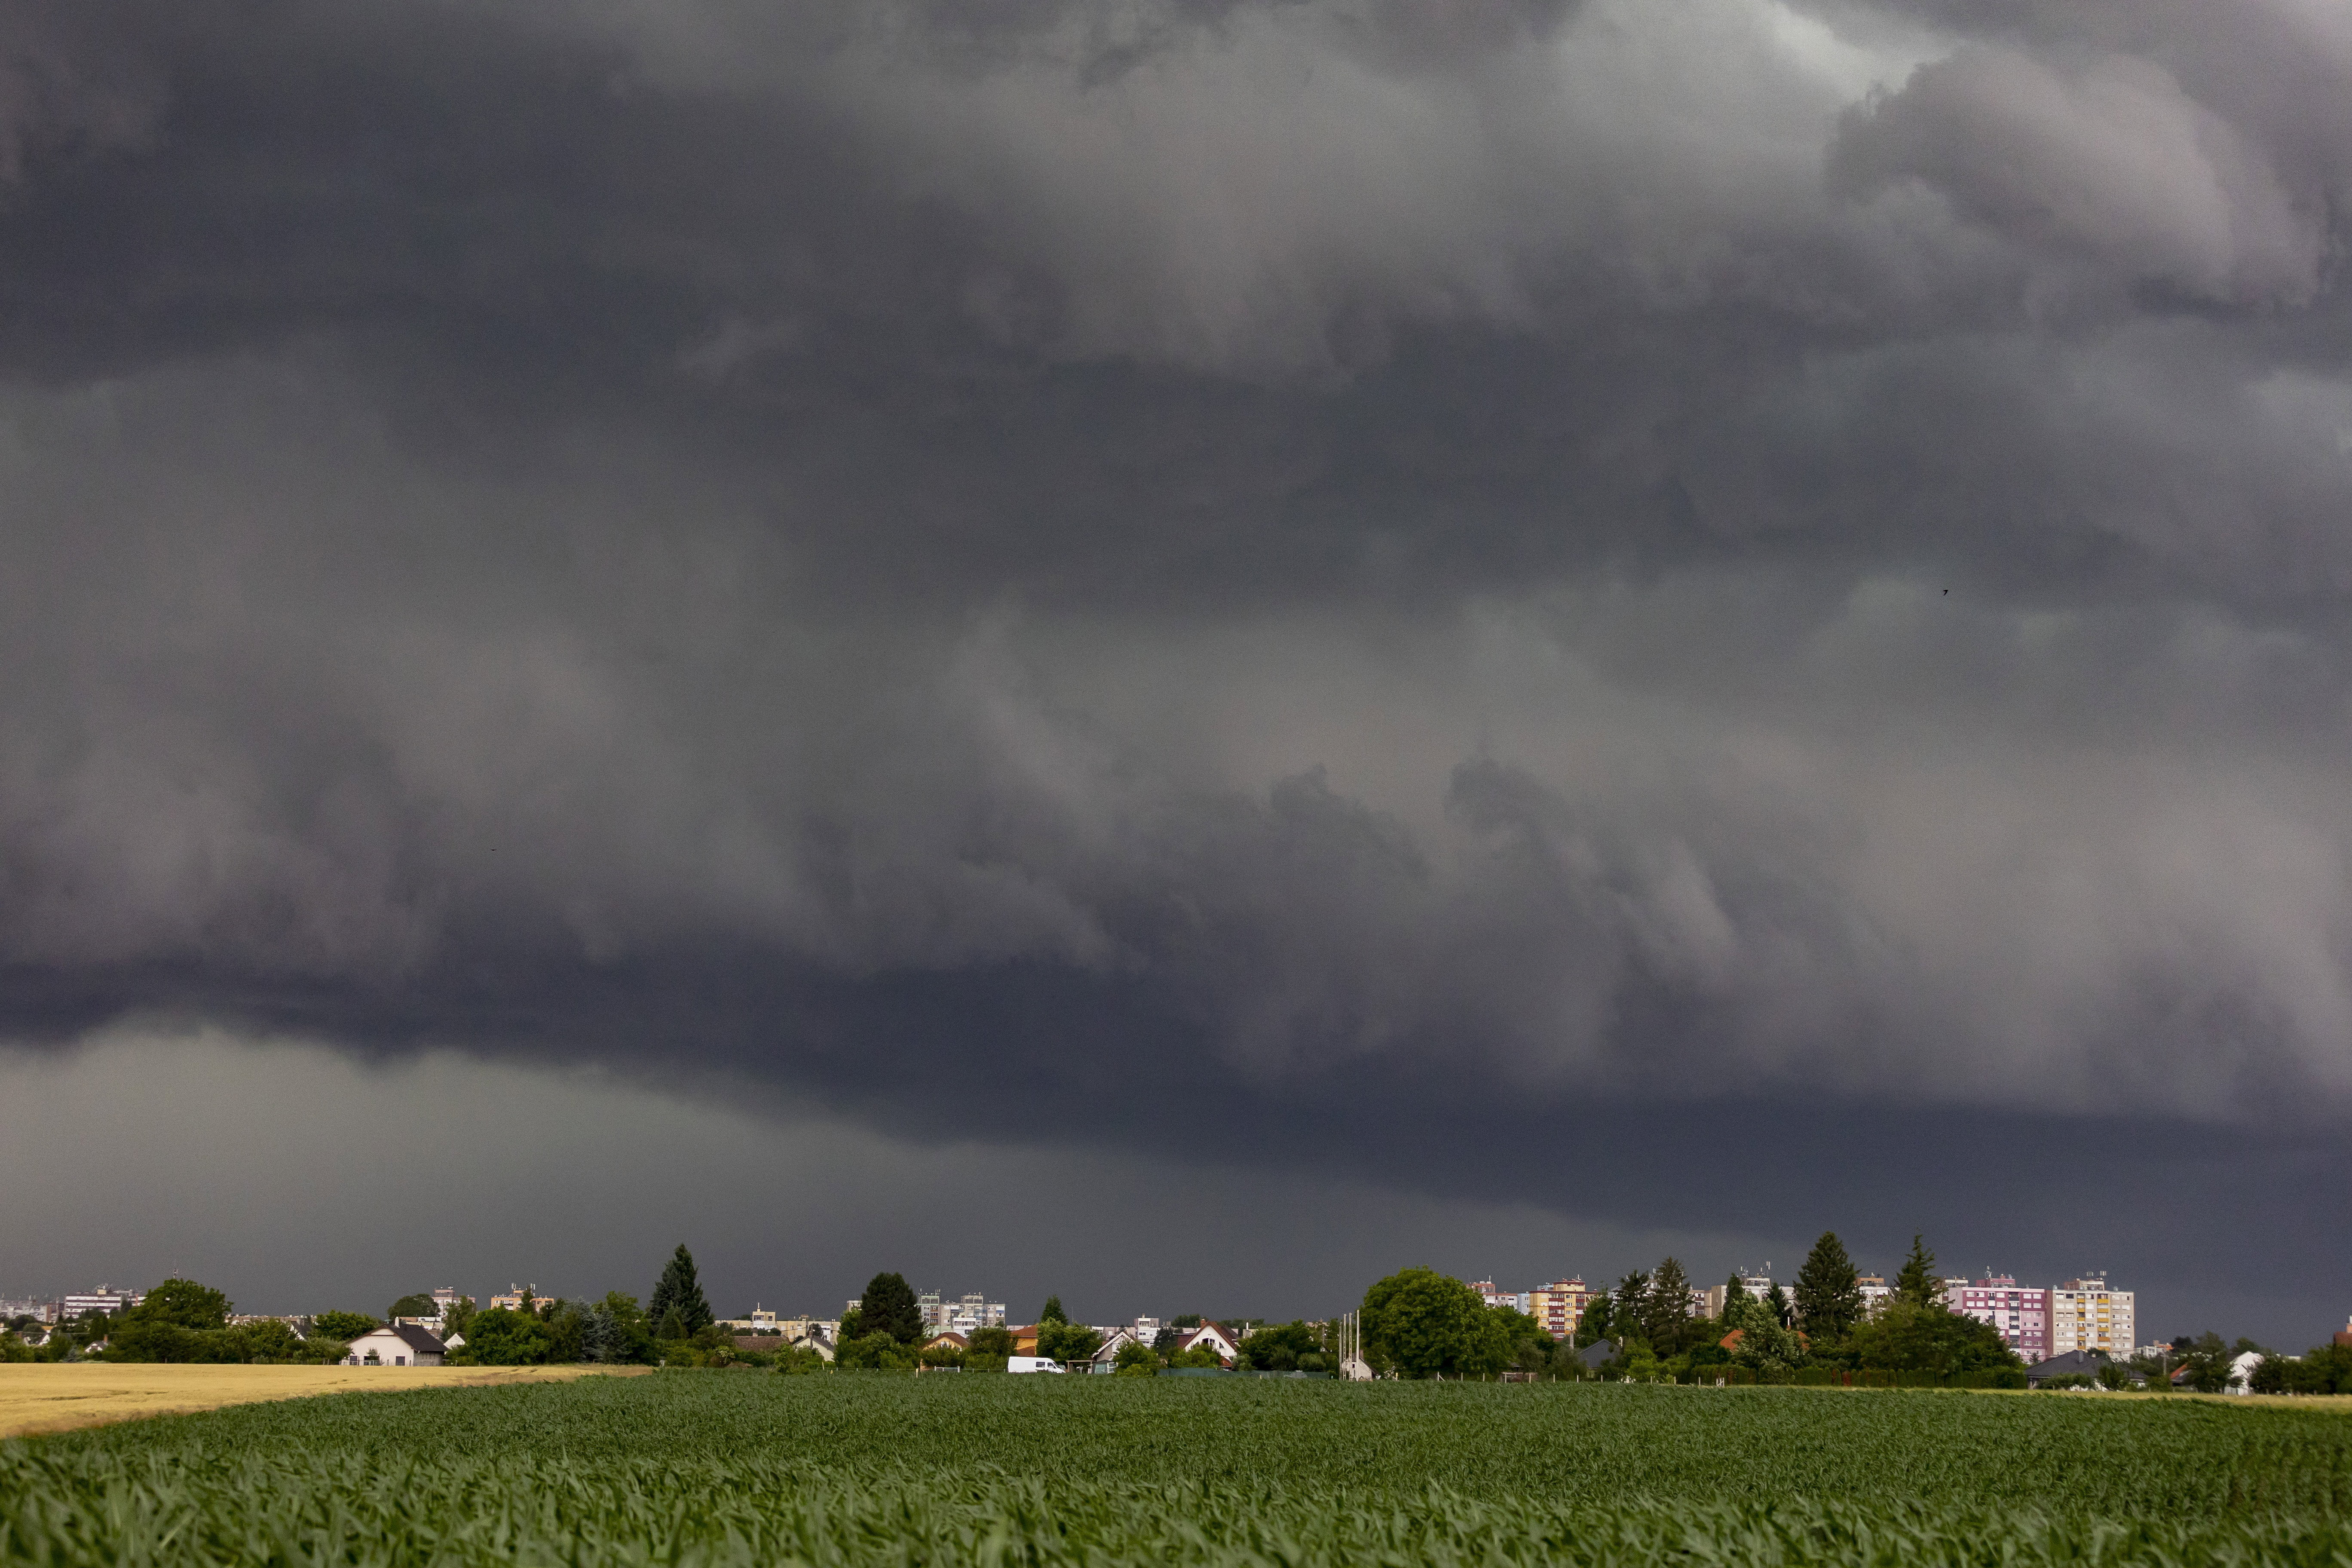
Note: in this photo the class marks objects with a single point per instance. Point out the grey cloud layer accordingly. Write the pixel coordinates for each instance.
(1397, 552)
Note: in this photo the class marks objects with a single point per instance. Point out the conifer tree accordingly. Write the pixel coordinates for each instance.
(1829, 1292)
(1052, 1311)
(1597, 1321)
(1668, 1308)
(1631, 1310)
(889, 1308)
(679, 1289)
(1917, 1284)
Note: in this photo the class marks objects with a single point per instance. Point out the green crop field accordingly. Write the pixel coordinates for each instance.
(726, 1468)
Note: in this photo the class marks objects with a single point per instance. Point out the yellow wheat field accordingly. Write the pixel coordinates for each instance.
(56, 1398)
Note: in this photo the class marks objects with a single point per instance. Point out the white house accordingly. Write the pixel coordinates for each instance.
(1106, 1358)
(1211, 1338)
(401, 1344)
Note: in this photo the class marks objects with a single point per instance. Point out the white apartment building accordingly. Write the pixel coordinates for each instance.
(1711, 1300)
(105, 1298)
(39, 1309)
(1514, 1299)
(960, 1315)
(2085, 1315)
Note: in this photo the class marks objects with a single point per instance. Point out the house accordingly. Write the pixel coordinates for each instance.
(1211, 1338)
(2073, 1364)
(2239, 1379)
(1024, 1340)
(948, 1342)
(815, 1337)
(401, 1344)
(1106, 1358)
(1597, 1354)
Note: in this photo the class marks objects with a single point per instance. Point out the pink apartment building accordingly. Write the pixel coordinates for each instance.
(2022, 1313)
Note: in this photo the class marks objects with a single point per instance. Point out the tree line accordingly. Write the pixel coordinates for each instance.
(885, 1333)
(1420, 1323)
(187, 1322)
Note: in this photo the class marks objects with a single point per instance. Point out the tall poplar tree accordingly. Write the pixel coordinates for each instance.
(1918, 1283)
(679, 1290)
(1829, 1292)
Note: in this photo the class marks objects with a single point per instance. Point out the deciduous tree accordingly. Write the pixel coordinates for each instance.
(344, 1326)
(1277, 1346)
(1423, 1323)
(1908, 1337)
(184, 1303)
(1059, 1339)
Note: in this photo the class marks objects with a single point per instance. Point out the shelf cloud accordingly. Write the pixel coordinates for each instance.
(1339, 585)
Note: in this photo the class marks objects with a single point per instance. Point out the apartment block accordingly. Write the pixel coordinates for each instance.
(1559, 1307)
(1711, 1300)
(2021, 1312)
(1514, 1299)
(958, 1315)
(2085, 1315)
(105, 1298)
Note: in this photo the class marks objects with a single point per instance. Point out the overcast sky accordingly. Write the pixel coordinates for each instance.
(1176, 650)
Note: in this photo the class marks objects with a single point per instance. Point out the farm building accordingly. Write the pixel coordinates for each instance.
(401, 1344)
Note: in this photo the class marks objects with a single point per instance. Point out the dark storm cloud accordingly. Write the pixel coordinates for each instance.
(1378, 569)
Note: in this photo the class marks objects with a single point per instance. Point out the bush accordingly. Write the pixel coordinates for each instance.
(873, 1352)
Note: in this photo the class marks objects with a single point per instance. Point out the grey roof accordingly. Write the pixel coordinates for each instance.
(2073, 1364)
(1597, 1354)
(416, 1338)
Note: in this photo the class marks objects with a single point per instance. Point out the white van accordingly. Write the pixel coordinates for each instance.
(1031, 1363)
